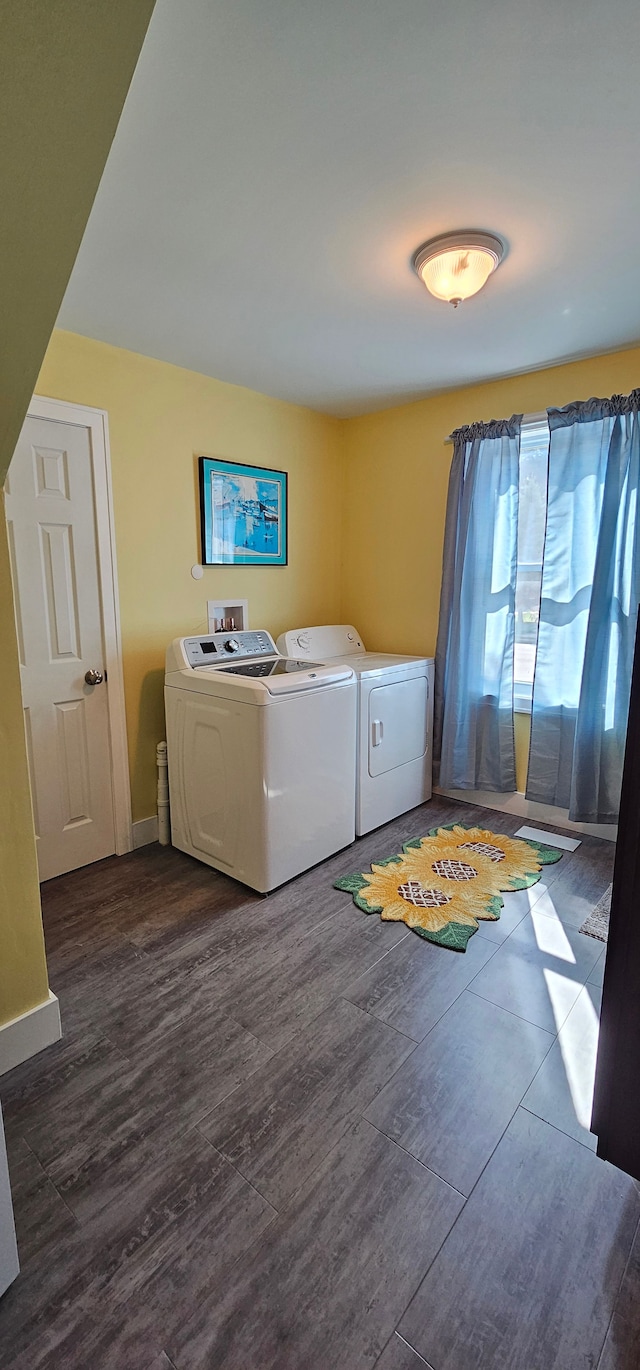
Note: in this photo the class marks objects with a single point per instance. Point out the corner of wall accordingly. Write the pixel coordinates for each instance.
(23, 970)
(342, 450)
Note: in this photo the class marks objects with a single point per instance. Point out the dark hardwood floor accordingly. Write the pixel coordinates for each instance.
(281, 1135)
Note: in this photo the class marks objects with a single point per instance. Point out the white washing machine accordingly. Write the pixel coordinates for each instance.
(395, 720)
(261, 753)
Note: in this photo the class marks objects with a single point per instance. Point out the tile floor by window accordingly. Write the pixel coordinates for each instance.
(281, 1135)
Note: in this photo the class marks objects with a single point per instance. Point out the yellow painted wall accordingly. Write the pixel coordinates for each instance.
(65, 69)
(64, 73)
(396, 476)
(367, 502)
(395, 491)
(160, 418)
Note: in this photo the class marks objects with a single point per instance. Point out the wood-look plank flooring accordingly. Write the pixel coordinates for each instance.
(279, 1134)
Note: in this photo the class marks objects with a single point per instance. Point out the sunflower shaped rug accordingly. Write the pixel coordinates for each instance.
(441, 885)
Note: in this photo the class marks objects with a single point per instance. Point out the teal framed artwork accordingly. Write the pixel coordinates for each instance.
(243, 514)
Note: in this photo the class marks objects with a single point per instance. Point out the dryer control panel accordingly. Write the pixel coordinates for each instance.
(340, 639)
(213, 649)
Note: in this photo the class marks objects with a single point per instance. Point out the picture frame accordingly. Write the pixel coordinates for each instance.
(243, 514)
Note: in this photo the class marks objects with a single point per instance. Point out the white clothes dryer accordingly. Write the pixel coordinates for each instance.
(261, 753)
(395, 719)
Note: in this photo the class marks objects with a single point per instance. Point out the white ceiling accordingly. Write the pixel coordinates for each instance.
(278, 161)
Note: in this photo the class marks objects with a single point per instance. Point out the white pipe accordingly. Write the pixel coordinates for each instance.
(164, 827)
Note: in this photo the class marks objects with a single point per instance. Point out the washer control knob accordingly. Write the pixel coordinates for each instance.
(303, 640)
(232, 645)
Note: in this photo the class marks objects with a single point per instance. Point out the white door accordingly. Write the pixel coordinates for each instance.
(398, 724)
(53, 542)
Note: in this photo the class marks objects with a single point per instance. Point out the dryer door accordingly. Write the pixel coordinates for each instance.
(398, 724)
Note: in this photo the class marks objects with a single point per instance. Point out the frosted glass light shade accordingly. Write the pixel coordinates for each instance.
(457, 265)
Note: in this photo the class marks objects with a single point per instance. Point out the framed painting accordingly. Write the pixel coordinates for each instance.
(243, 513)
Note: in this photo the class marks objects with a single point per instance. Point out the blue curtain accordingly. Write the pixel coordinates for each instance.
(590, 592)
(473, 728)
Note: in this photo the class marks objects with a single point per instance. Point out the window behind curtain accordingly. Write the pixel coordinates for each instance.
(533, 471)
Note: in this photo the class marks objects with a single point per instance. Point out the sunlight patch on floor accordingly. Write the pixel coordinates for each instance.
(550, 934)
(562, 994)
(578, 1042)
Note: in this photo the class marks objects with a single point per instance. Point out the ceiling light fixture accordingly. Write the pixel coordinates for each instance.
(457, 265)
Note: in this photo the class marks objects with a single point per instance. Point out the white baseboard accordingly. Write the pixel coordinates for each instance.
(23, 1037)
(529, 808)
(145, 831)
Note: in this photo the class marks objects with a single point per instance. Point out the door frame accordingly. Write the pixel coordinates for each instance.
(97, 422)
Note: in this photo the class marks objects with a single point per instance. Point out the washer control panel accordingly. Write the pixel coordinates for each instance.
(215, 648)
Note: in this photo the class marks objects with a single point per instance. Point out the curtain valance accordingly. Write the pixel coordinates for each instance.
(493, 428)
(593, 410)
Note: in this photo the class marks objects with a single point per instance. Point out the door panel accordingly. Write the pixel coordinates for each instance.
(52, 472)
(73, 760)
(59, 581)
(52, 540)
(398, 724)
